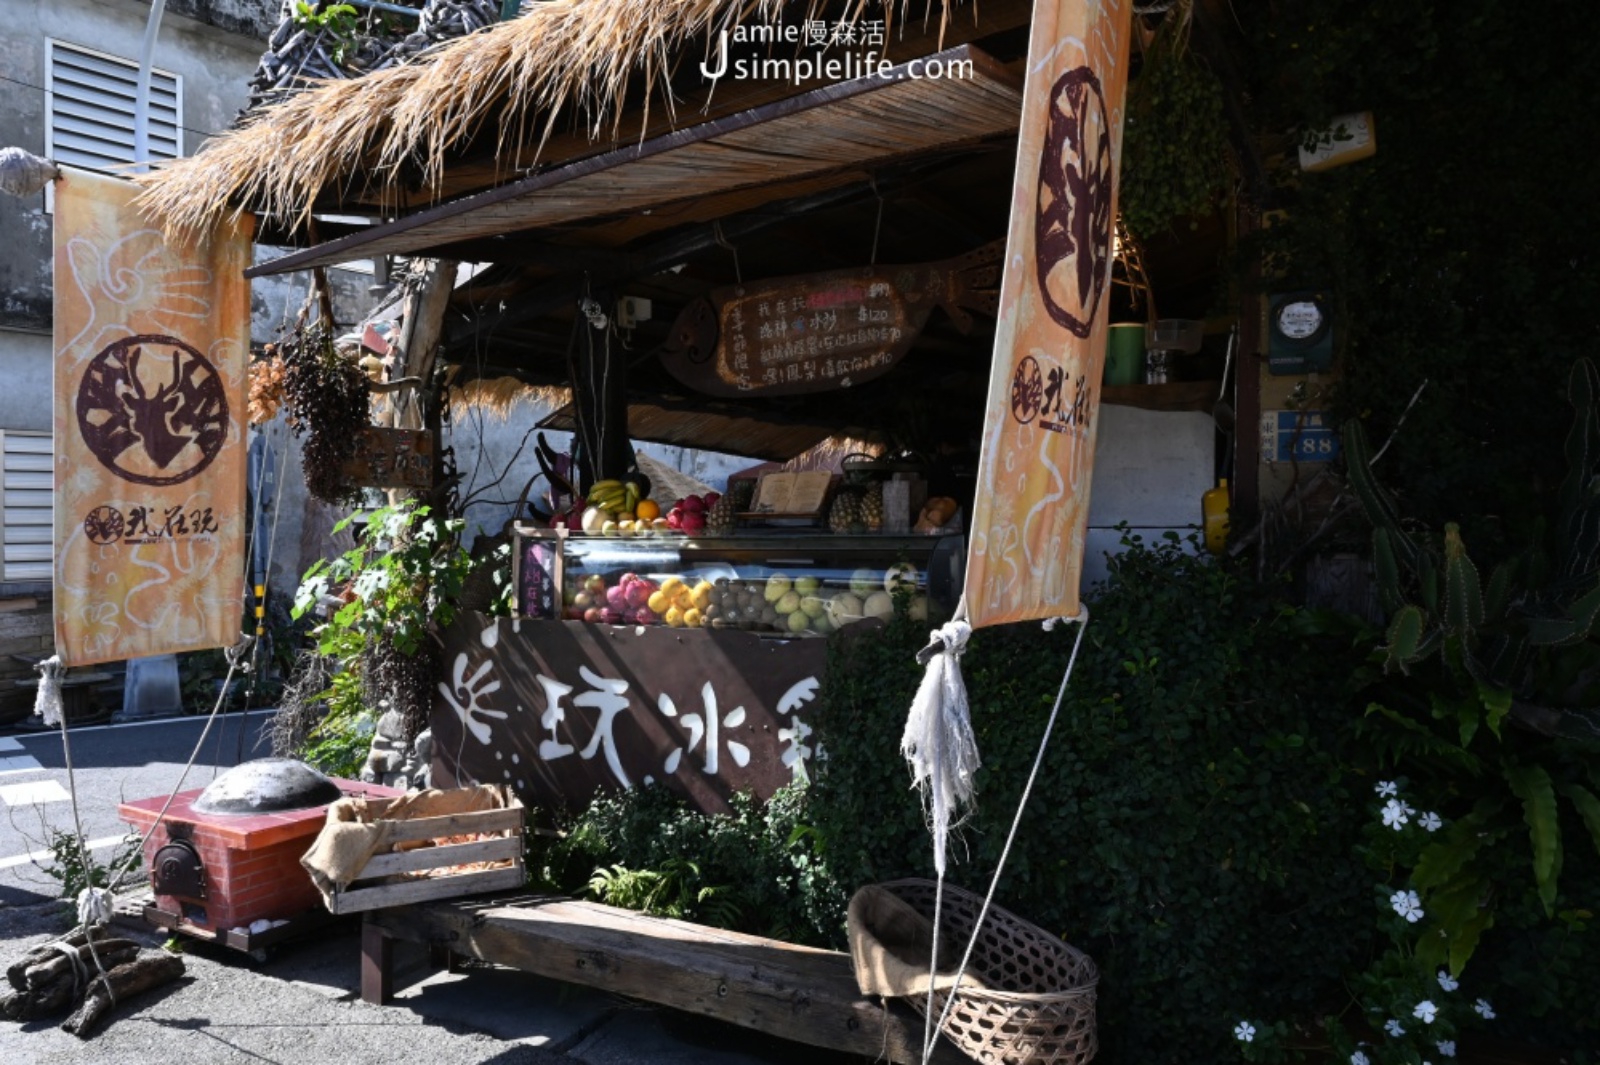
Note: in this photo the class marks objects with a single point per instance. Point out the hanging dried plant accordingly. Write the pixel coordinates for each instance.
(267, 374)
(328, 406)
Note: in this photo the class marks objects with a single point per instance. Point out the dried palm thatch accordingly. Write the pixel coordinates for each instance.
(499, 396)
(394, 128)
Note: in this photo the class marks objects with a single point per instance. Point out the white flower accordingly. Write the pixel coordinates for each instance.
(1447, 1047)
(1483, 1009)
(1426, 1011)
(1386, 789)
(1392, 1026)
(1244, 1032)
(1448, 982)
(1396, 813)
(1358, 1058)
(1430, 821)
(1407, 905)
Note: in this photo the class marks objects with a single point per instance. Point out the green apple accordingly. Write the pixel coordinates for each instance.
(814, 606)
(778, 585)
(798, 622)
(807, 585)
(787, 603)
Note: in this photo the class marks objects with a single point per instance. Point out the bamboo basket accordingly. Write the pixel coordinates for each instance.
(1038, 1007)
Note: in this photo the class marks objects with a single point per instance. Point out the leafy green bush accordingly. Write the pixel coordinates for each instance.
(754, 870)
(1194, 824)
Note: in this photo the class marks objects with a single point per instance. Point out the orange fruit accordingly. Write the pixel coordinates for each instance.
(648, 510)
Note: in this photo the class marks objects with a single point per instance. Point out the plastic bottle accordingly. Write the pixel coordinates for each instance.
(1214, 514)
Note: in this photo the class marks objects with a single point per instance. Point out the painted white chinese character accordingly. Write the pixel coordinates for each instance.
(464, 693)
(844, 32)
(872, 32)
(796, 751)
(554, 692)
(816, 31)
(607, 697)
(708, 728)
(762, 310)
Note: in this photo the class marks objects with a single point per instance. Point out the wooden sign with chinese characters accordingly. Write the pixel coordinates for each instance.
(1025, 556)
(391, 458)
(819, 332)
(151, 339)
(558, 709)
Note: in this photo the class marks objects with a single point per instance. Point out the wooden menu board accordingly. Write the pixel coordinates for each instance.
(792, 493)
(819, 332)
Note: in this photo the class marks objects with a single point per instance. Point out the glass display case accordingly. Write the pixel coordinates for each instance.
(794, 583)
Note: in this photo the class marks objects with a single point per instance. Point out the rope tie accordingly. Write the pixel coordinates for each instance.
(80, 971)
(96, 905)
(47, 703)
(238, 655)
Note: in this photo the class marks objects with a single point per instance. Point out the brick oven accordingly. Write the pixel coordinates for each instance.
(228, 856)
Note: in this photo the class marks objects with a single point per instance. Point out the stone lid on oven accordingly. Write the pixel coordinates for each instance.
(267, 785)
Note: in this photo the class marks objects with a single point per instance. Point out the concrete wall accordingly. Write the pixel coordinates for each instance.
(214, 64)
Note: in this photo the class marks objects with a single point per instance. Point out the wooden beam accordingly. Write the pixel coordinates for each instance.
(561, 292)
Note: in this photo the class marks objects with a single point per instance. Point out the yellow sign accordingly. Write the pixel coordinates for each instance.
(151, 341)
(1027, 529)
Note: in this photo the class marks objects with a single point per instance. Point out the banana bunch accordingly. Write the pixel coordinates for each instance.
(619, 497)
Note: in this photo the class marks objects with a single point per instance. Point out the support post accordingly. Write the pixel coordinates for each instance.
(600, 396)
(377, 964)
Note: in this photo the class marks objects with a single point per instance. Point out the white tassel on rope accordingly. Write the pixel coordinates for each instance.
(47, 703)
(938, 742)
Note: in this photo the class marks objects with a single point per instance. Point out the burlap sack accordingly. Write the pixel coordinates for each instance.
(891, 945)
(356, 829)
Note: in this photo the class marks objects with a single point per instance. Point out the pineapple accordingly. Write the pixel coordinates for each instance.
(846, 513)
(872, 508)
(719, 519)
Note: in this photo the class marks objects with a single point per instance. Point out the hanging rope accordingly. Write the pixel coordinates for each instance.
(930, 657)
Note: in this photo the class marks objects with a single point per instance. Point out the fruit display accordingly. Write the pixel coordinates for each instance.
(803, 604)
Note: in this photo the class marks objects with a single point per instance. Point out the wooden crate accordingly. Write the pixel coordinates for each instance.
(377, 885)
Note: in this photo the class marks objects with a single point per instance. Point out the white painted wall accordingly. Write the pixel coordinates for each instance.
(1150, 470)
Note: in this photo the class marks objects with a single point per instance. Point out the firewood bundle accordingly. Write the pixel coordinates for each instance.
(57, 976)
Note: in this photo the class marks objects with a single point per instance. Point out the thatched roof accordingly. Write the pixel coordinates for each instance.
(393, 131)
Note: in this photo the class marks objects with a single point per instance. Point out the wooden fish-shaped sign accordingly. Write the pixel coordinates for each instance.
(818, 332)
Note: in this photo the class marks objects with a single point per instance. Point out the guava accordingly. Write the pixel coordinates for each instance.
(864, 582)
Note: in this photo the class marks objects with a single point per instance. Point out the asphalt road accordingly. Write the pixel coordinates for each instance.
(301, 1004)
(112, 763)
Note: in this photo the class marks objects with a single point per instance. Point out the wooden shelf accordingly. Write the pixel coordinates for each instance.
(1174, 395)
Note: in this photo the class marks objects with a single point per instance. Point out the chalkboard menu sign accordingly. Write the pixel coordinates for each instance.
(819, 332)
(538, 583)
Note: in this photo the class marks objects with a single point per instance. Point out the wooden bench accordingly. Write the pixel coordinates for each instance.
(799, 993)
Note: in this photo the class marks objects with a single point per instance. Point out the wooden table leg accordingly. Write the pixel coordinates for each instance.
(377, 964)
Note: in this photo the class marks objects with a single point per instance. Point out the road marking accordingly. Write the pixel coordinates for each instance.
(37, 791)
(19, 763)
(7, 743)
(46, 856)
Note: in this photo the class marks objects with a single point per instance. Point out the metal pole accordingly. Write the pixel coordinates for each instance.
(141, 95)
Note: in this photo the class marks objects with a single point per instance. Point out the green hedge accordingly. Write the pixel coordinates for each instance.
(1194, 823)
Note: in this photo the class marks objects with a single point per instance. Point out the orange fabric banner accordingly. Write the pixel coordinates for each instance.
(151, 341)
(1027, 529)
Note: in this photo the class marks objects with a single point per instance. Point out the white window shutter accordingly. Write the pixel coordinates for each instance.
(91, 109)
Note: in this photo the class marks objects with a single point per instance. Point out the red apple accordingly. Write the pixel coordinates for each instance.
(593, 615)
(711, 499)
